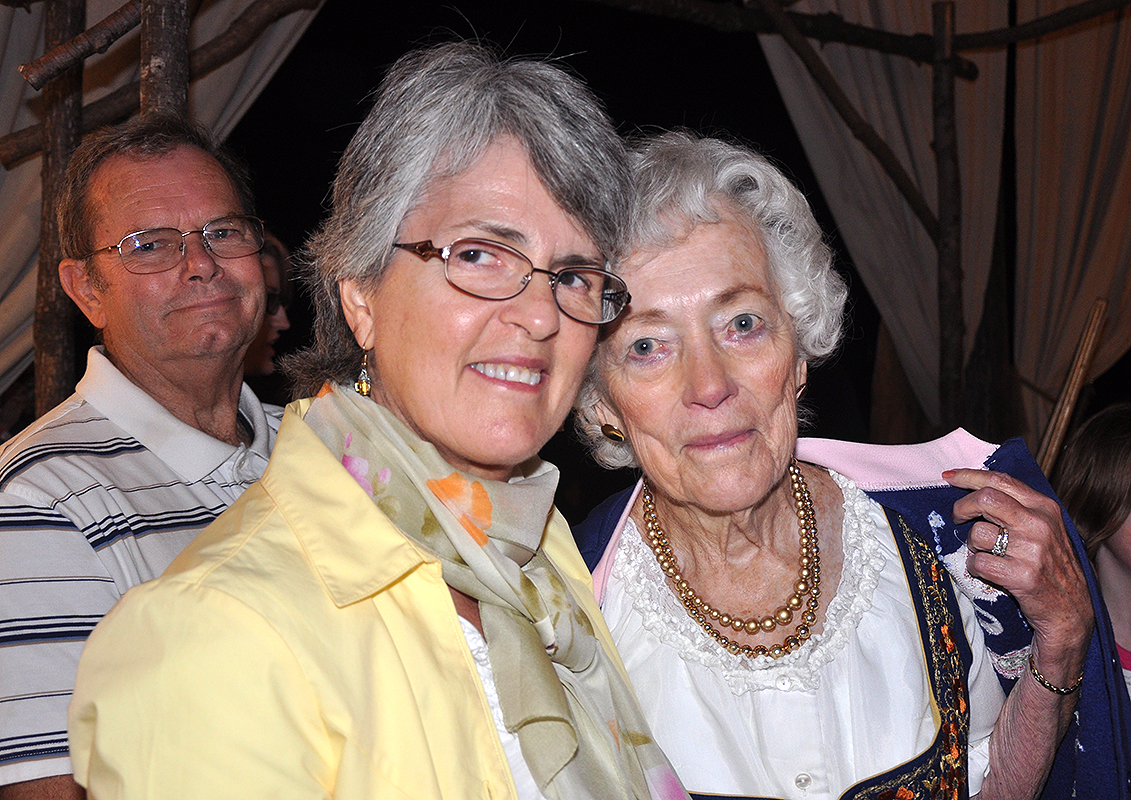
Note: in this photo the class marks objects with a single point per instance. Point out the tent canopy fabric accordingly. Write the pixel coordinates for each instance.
(1073, 144)
(1073, 147)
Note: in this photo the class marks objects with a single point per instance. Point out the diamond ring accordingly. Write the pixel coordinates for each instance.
(1001, 543)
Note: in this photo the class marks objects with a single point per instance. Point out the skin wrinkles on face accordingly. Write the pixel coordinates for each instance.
(431, 344)
(702, 373)
(205, 308)
(518, 240)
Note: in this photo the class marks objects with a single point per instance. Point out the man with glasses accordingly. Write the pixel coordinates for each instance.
(162, 256)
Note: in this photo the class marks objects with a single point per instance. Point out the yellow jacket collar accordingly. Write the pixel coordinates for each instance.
(355, 549)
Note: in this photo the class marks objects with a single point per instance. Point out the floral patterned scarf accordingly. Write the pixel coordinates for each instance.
(580, 728)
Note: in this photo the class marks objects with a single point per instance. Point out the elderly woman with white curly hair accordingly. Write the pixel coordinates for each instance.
(787, 634)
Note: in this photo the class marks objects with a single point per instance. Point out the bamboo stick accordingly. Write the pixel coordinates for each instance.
(1070, 393)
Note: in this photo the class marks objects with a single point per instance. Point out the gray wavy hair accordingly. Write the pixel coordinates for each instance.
(435, 113)
(681, 180)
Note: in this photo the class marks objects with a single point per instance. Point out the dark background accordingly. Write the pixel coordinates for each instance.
(651, 73)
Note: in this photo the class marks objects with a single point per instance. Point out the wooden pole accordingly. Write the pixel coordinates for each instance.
(1070, 393)
(164, 57)
(952, 327)
(53, 327)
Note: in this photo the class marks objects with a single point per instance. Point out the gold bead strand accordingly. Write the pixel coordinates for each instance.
(807, 584)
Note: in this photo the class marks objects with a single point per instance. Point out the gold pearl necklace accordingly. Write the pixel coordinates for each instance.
(808, 581)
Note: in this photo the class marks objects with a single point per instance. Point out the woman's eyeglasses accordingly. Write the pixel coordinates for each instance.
(495, 271)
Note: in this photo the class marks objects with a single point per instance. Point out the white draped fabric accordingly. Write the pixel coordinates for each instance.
(217, 100)
(1073, 198)
(1074, 181)
(891, 250)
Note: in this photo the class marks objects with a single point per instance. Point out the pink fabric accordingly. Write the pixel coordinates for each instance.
(605, 566)
(1124, 656)
(876, 467)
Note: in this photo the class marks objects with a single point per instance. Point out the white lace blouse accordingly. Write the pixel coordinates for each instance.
(853, 702)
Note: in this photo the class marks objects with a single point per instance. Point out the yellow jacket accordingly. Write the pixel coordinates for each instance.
(301, 647)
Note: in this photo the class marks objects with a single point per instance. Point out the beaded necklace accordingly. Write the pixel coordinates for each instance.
(808, 581)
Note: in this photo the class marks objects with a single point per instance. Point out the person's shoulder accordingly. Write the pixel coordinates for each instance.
(243, 554)
(179, 621)
(72, 430)
(62, 423)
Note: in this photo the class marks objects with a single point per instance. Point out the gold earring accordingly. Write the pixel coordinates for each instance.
(612, 433)
(362, 384)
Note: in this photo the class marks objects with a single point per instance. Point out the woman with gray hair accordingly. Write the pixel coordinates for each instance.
(396, 609)
(788, 635)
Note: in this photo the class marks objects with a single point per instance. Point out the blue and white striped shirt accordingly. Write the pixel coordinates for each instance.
(96, 496)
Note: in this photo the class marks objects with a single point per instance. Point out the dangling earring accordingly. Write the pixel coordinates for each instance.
(612, 433)
(362, 384)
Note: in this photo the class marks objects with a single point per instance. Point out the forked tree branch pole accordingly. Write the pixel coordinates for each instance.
(121, 103)
(96, 40)
(52, 326)
(164, 58)
(824, 27)
(830, 27)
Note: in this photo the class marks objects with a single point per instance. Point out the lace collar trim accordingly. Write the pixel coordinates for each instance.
(636, 569)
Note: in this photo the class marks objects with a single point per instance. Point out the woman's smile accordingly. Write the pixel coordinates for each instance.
(509, 373)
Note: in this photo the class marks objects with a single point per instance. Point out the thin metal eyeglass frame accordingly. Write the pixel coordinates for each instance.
(183, 248)
(426, 250)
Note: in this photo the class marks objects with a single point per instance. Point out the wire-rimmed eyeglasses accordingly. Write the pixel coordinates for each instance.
(495, 271)
(161, 249)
